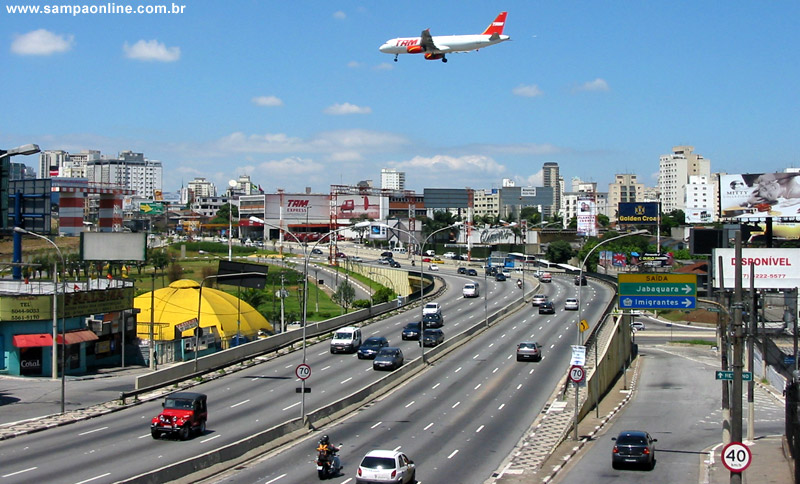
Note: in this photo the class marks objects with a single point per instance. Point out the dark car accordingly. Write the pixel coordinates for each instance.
(388, 358)
(461, 270)
(411, 331)
(388, 254)
(547, 308)
(432, 337)
(634, 447)
(472, 272)
(580, 280)
(371, 346)
(316, 250)
(491, 271)
(529, 350)
(393, 263)
(184, 413)
(500, 277)
(433, 320)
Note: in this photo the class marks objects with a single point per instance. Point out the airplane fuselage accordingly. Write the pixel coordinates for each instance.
(445, 44)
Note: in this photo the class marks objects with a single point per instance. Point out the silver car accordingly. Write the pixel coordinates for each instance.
(571, 304)
(529, 350)
(538, 299)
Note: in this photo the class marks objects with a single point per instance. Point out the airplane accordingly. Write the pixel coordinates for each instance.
(435, 48)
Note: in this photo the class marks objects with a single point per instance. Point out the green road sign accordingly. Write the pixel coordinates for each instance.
(657, 291)
(152, 208)
(728, 375)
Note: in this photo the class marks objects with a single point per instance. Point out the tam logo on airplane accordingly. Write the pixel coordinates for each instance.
(407, 42)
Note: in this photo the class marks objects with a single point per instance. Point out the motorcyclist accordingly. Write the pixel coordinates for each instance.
(327, 449)
(519, 283)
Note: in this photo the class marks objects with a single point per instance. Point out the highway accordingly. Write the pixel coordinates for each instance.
(459, 419)
(118, 446)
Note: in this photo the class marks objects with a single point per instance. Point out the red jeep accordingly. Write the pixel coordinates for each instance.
(184, 413)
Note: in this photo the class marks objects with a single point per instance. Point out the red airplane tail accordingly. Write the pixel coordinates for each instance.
(496, 27)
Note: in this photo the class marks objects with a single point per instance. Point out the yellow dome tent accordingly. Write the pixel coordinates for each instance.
(177, 303)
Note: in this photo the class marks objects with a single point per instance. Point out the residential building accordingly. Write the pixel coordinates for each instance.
(486, 202)
(50, 162)
(674, 172)
(129, 170)
(201, 188)
(392, 179)
(552, 178)
(699, 205)
(209, 206)
(624, 189)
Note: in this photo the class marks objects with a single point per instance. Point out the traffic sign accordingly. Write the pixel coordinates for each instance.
(302, 371)
(657, 291)
(728, 375)
(186, 325)
(578, 355)
(583, 325)
(577, 374)
(736, 457)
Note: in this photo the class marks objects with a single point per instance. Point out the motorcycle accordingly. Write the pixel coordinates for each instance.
(519, 283)
(328, 464)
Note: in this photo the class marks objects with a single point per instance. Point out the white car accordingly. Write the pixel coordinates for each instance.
(431, 308)
(637, 326)
(386, 466)
(449, 255)
(571, 304)
(433, 267)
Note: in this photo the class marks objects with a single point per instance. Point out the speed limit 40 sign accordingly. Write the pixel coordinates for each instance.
(736, 456)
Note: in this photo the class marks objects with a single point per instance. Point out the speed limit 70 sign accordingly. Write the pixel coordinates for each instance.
(577, 374)
(302, 371)
(736, 456)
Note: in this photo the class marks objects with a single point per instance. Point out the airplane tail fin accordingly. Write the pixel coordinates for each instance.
(496, 27)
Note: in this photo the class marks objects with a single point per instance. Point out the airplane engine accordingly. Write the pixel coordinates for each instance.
(414, 49)
(431, 56)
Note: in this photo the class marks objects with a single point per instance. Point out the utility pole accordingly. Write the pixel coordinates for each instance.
(751, 335)
(723, 351)
(738, 336)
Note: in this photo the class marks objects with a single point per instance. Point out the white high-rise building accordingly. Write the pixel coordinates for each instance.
(202, 188)
(131, 170)
(673, 175)
(50, 163)
(392, 179)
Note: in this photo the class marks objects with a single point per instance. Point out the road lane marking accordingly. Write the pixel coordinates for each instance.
(434, 387)
(93, 431)
(452, 454)
(345, 381)
(240, 403)
(495, 370)
(376, 425)
(211, 438)
(479, 385)
(320, 354)
(94, 478)
(397, 448)
(325, 368)
(501, 406)
(479, 429)
(292, 405)
(457, 370)
(457, 404)
(26, 470)
(476, 356)
(410, 403)
(519, 386)
(273, 480)
(428, 426)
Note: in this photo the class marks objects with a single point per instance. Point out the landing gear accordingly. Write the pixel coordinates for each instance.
(395, 57)
(444, 59)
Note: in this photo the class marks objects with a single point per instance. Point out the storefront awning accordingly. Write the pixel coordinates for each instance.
(32, 340)
(74, 337)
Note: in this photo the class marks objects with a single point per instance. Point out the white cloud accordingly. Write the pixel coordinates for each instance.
(41, 42)
(598, 85)
(288, 166)
(527, 91)
(384, 66)
(339, 15)
(347, 108)
(451, 164)
(267, 101)
(152, 50)
(354, 64)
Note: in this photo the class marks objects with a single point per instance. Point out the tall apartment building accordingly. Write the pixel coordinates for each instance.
(486, 202)
(553, 179)
(674, 171)
(75, 165)
(700, 204)
(50, 163)
(392, 179)
(131, 170)
(624, 189)
(201, 188)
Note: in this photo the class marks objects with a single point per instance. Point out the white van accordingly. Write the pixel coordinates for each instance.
(472, 289)
(399, 250)
(346, 340)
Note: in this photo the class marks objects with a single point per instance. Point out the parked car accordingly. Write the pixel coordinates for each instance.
(346, 340)
(411, 331)
(637, 326)
(388, 358)
(431, 307)
(433, 320)
(370, 347)
(633, 447)
(571, 304)
(432, 337)
(472, 272)
(529, 350)
(461, 270)
(580, 280)
(538, 299)
(547, 308)
(183, 414)
(500, 277)
(386, 466)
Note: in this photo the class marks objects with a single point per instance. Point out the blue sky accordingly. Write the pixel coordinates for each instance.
(296, 94)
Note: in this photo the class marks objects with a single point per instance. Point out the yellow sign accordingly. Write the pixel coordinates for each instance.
(583, 325)
(79, 303)
(658, 278)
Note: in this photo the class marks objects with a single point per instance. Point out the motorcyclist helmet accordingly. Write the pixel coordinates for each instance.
(324, 440)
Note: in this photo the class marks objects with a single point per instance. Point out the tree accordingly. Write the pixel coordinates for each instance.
(222, 216)
(344, 295)
(603, 220)
(560, 252)
(383, 295)
(361, 231)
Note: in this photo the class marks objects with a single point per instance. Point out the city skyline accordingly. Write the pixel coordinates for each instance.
(299, 95)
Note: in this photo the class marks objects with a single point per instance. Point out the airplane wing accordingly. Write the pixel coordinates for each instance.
(427, 41)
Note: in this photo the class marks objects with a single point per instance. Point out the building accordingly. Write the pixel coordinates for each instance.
(200, 188)
(700, 203)
(209, 206)
(392, 179)
(624, 189)
(20, 171)
(552, 178)
(486, 202)
(674, 171)
(130, 170)
(50, 163)
(75, 165)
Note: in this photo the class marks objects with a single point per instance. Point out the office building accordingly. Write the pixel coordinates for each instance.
(392, 179)
(673, 175)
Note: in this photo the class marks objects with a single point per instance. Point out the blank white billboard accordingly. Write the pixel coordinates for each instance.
(113, 246)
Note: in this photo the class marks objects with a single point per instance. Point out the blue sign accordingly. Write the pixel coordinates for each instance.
(657, 302)
(639, 213)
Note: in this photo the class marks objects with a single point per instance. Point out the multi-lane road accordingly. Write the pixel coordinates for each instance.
(481, 382)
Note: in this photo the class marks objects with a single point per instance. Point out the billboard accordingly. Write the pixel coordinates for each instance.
(698, 215)
(773, 268)
(639, 213)
(586, 215)
(298, 207)
(355, 206)
(759, 195)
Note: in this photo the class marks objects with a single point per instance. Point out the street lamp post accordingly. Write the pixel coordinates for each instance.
(20, 230)
(5, 171)
(580, 307)
(232, 185)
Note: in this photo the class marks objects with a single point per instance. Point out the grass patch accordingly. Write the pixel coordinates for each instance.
(702, 342)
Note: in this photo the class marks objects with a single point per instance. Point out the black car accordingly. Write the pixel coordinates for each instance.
(462, 270)
(500, 277)
(547, 308)
(388, 254)
(388, 358)
(316, 250)
(393, 263)
(634, 447)
(433, 320)
(432, 337)
(371, 347)
(411, 331)
(472, 272)
(580, 280)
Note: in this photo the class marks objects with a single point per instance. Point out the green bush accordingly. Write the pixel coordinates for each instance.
(361, 303)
